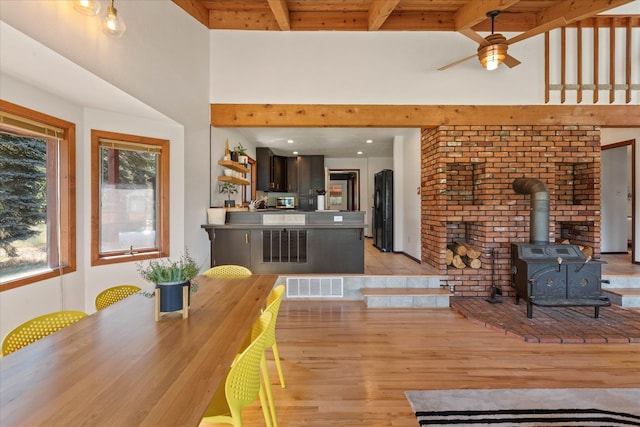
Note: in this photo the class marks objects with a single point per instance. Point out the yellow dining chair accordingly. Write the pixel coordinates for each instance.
(274, 300)
(112, 295)
(228, 270)
(273, 306)
(39, 327)
(243, 383)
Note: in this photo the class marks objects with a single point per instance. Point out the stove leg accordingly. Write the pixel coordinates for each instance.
(517, 299)
(529, 310)
(597, 311)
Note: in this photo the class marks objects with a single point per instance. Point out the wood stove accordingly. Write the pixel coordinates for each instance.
(548, 274)
(556, 275)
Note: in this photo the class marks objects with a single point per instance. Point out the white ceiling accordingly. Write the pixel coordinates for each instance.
(330, 142)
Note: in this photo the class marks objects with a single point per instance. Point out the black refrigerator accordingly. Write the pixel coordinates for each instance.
(383, 210)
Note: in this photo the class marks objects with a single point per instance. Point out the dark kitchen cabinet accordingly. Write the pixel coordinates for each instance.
(279, 168)
(292, 174)
(272, 170)
(231, 246)
(310, 179)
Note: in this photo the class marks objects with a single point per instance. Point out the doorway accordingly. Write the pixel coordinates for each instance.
(618, 198)
(344, 190)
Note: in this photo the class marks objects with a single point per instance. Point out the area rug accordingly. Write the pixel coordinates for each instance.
(527, 407)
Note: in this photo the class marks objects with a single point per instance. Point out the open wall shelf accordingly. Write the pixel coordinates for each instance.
(233, 180)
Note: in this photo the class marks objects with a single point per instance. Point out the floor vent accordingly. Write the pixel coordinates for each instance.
(314, 287)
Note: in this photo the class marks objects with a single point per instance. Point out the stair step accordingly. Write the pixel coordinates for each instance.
(406, 297)
(621, 281)
(624, 297)
(404, 291)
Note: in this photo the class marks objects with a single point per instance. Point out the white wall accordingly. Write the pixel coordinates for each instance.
(409, 236)
(614, 203)
(611, 136)
(146, 82)
(366, 68)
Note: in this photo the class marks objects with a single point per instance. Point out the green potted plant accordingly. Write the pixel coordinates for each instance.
(228, 188)
(170, 276)
(241, 152)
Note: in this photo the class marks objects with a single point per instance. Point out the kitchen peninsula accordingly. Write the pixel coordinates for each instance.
(286, 241)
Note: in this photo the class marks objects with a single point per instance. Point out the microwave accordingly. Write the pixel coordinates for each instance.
(285, 202)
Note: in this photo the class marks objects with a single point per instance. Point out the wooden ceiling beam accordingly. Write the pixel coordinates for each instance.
(234, 20)
(281, 13)
(326, 21)
(418, 21)
(475, 12)
(420, 116)
(379, 11)
(573, 11)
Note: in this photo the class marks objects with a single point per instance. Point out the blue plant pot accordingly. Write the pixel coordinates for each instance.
(171, 295)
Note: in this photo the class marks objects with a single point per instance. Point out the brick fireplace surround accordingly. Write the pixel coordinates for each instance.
(466, 178)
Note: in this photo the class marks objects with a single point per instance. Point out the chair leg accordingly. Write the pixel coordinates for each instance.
(276, 357)
(267, 386)
(265, 407)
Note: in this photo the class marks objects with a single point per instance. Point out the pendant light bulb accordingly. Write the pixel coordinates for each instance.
(112, 22)
(87, 7)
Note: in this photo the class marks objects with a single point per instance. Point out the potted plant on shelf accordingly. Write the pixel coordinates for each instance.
(170, 277)
(228, 188)
(241, 152)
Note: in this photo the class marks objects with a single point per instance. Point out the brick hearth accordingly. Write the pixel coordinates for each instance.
(467, 173)
(562, 325)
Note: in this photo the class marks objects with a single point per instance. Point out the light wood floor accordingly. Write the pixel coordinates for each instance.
(346, 365)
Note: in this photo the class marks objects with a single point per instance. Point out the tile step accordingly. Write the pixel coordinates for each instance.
(624, 297)
(621, 281)
(406, 297)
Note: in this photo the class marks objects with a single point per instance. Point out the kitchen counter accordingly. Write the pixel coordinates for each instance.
(290, 241)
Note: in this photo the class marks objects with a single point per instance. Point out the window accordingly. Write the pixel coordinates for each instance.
(37, 196)
(130, 197)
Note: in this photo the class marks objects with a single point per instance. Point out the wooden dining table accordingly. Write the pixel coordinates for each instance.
(119, 367)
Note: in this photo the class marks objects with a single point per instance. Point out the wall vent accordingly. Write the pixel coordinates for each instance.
(315, 287)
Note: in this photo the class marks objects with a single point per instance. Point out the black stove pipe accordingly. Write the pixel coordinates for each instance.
(539, 226)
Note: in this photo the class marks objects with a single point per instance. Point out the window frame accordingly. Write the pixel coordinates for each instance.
(162, 228)
(66, 158)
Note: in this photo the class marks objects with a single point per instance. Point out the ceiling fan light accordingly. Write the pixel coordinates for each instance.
(492, 56)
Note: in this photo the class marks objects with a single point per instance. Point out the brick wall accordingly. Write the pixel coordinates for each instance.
(467, 195)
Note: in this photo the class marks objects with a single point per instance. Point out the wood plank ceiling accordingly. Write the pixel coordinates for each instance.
(392, 15)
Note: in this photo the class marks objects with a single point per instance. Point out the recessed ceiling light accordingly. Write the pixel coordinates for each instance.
(295, 152)
(369, 141)
(290, 141)
(359, 152)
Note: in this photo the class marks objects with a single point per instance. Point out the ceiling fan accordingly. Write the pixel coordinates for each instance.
(492, 50)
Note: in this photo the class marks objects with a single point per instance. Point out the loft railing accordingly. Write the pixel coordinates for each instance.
(593, 55)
